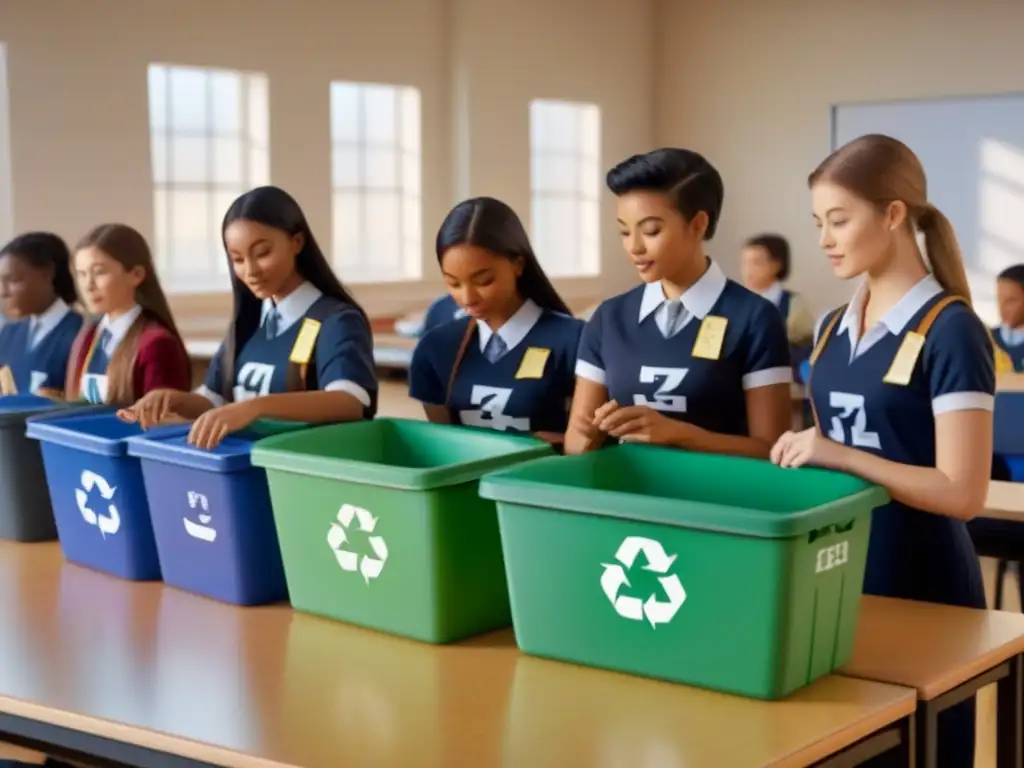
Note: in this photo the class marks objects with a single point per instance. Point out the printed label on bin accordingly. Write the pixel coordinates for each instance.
(614, 579)
(833, 556)
(370, 566)
(201, 530)
(95, 502)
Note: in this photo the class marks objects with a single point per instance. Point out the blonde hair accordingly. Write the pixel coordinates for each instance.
(882, 170)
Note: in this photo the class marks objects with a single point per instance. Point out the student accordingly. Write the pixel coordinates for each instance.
(1010, 334)
(902, 385)
(299, 347)
(37, 290)
(766, 264)
(690, 359)
(135, 347)
(442, 310)
(509, 364)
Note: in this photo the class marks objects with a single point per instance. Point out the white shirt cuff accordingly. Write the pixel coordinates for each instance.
(768, 377)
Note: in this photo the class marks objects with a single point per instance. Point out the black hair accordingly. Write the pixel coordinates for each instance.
(42, 250)
(275, 208)
(686, 177)
(491, 224)
(1014, 274)
(777, 248)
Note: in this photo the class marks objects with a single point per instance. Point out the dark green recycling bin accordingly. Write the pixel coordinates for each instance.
(725, 573)
(380, 524)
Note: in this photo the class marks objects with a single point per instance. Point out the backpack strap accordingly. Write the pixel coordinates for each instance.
(1003, 361)
(819, 347)
(460, 355)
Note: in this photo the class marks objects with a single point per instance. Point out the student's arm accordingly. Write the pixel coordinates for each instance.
(961, 380)
(158, 405)
(800, 323)
(591, 391)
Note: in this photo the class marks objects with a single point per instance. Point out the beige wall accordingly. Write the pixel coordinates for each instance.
(79, 110)
(750, 84)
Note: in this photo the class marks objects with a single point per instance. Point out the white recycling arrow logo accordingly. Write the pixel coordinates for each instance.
(614, 579)
(337, 538)
(109, 523)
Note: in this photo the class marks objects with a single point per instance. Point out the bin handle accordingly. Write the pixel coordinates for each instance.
(819, 533)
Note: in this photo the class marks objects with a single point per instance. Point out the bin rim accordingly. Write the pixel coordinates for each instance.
(273, 453)
(505, 486)
(42, 406)
(58, 429)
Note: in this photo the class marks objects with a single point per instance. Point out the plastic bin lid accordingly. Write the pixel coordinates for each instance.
(232, 455)
(103, 434)
(14, 409)
(666, 486)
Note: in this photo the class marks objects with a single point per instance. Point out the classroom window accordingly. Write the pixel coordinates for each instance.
(210, 142)
(375, 182)
(565, 171)
(6, 203)
(1000, 217)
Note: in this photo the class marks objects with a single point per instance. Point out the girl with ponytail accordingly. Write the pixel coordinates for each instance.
(38, 293)
(902, 385)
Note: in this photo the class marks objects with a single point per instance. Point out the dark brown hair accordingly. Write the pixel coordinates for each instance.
(882, 170)
(129, 249)
(777, 248)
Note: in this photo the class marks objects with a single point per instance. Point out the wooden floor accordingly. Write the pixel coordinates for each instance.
(395, 402)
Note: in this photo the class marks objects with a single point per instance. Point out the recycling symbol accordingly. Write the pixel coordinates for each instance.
(337, 537)
(109, 523)
(614, 579)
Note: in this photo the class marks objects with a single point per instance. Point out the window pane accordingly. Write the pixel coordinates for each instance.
(346, 163)
(381, 169)
(412, 222)
(161, 229)
(411, 174)
(348, 228)
(412, 261)
(219, 204)
(259, 110)
(590, 131)
(383, 212)
(410, 106)
(158, 157)
(227, 161)
(555, 173)
(590, 237)
(189, 160)
(559, 234)
(190, 225)
(227, 102)
(157, 97)
(554, 125)
(259, 167)
(379, 101)
(590, 178)
(345, 112)
(188, 103)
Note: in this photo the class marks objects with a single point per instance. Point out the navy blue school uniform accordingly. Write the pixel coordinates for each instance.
(342, 359)
(912, 554)
(632, 346)
(109, 335)
(1011, 340)
(442, 310)
(37, 349)
(518, 379)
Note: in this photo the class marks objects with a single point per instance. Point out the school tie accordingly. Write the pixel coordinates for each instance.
(104, 341)
(675, 313)
(272, 323)
(33, 332)
(495, 348)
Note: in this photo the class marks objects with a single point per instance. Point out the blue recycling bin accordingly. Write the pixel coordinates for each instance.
(97, 492)
(212, 517)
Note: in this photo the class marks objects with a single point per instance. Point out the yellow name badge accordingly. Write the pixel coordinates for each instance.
(7, 385)
(710, 338)
(535, 360)
(305, 342)
(902, 368)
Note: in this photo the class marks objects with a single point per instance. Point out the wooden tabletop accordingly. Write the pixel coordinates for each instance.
(931, 648)
(1005, 501)
(268, 687)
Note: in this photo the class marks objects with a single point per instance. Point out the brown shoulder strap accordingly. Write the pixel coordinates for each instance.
(932, 315)
(467, 337)
(819, 347)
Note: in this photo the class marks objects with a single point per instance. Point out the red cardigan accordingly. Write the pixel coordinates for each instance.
(161, 362)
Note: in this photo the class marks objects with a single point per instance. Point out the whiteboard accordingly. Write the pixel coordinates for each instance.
(972, 149)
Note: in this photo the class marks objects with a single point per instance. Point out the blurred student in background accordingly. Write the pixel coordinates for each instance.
(508, 364)
(299, 347)
(690, 359)
(37, 291)
(1010, 295)
(135, 346)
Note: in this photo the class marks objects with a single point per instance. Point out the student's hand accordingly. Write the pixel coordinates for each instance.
(213, 426)
(641, 424)
(152, 409)
(807, 448)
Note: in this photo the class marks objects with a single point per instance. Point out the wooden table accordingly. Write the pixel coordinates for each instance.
(1005, 501)
(946, 654)
(147, 675)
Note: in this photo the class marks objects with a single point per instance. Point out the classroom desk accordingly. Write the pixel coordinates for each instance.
(1005, 501)
(946, 654)
(148, 675)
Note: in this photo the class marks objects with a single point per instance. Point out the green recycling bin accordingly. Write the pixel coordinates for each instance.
(725, 573)
(380, 524)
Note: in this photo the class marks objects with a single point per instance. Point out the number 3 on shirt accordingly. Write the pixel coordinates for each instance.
(663, 399)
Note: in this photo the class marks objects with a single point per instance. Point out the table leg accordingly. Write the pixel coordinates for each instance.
(891, 747)
(1009, 716)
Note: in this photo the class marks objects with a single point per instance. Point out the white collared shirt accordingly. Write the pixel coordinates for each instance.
(515, 328)
(42, 324)
(292, 307)
(894, 321)
(117, 329)
(697, 300)
(1012, 337)
(774, 293)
